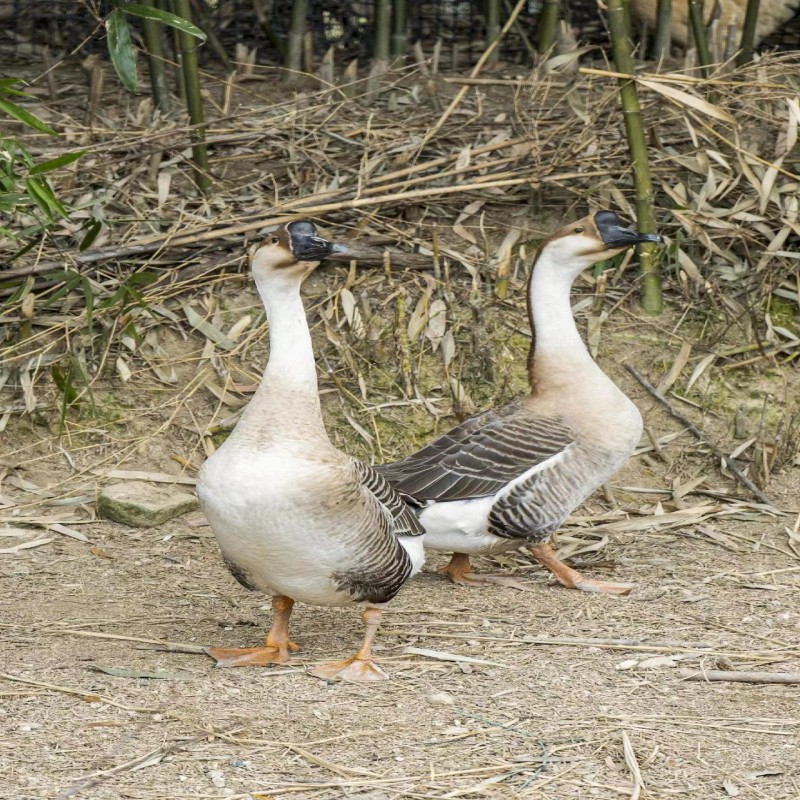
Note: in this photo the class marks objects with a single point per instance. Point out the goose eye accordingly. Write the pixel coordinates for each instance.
(578, 230)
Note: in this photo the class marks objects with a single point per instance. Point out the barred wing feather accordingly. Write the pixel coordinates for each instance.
(403, 521)
(480, 456)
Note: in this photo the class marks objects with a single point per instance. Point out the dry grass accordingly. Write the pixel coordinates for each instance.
(138, 354)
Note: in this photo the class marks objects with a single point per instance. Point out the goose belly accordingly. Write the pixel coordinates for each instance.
(462, 526)
(272, 534)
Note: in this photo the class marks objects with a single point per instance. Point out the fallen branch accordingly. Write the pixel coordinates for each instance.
(701, 436)
(739, 677)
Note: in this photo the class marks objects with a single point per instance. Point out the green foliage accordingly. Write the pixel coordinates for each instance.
(121, 50)
(23, 183)
(120, 45)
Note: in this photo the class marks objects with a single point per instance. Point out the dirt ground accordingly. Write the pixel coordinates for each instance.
(541, 718)
(544, 692)
(577, 717)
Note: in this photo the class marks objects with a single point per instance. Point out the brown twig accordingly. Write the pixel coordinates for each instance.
(735, 676)
(701, 436)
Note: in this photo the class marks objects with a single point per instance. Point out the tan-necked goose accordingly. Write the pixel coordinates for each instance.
(511, 475)
(295, 517)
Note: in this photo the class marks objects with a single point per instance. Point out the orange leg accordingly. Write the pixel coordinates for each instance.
(459, 571)
(361, 668)
(571, 578)
(276, 647)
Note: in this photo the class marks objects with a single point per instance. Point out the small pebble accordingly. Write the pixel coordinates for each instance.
(217, 777)
(441, 699)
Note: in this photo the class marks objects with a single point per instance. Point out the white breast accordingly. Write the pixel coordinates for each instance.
(259, 510)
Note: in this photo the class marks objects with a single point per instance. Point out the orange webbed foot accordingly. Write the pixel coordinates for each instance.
(602, 587)
(353, 670)
(571, 578)
(460, 572)
(251, 656)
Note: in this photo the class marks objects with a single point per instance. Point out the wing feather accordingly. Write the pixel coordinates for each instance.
(480, 456)
(402, 520)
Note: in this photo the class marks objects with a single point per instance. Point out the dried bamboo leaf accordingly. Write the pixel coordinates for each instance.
(687, 100)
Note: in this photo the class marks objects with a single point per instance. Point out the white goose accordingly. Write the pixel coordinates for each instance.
(295, 517)
(511, 475)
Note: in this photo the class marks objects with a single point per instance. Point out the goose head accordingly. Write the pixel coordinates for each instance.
(581, 244)
(292, 251)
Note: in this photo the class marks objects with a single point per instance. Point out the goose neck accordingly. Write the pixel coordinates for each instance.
(286, 403)
(556, 347)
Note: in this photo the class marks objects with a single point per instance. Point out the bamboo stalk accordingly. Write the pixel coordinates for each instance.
(155, 61)
(521, 33)
(294, 46)
(699, 35)
(663, 37)
(381, 29)
(180, 86)
(748, 33)
(492, 16)
(548, 23)
(194, 102)
(399, 28)
(623, 61)
(380, 48)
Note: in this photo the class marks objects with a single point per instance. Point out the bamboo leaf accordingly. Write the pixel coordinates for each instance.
(92, 232)
(19, 113)
(165, 17)
(686, 99)
(55, 163)
(120, 48)
(43, 195)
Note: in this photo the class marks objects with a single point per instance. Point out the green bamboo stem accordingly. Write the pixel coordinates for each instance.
(381, 29)
(748, 33)
(643, 187)
(663, 37)
(187, 58)
(169, 5)
(294, 45)
(492, 15)
(155, 61)
(548, 23)
(699, 34)
(399, 28)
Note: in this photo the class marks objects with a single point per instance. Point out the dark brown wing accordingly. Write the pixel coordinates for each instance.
(480, 456)
(402, 520)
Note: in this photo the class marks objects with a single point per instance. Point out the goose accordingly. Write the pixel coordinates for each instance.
(511, 475)
(294, 517)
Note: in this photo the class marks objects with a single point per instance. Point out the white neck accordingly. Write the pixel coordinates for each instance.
(291, 356)
(556, 339)
(286, 404)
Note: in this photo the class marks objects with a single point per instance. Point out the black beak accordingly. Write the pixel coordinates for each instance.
(308, 245)
(340, 253)
(615, 235)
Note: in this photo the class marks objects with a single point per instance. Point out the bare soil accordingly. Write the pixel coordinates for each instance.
(556, 701)
(541, 718)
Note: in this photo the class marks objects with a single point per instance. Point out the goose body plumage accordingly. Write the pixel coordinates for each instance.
(295, 517)
(511, 475)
